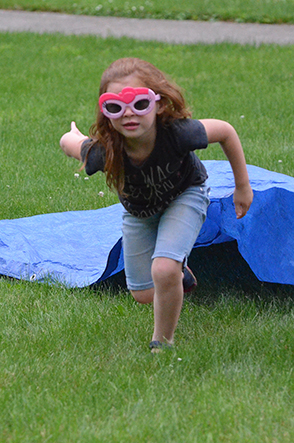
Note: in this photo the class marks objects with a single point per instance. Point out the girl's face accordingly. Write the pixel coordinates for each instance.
(135, 128)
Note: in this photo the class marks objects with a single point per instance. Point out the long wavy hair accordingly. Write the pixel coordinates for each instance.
(172, 106)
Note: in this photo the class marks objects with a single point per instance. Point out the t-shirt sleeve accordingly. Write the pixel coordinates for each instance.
(94, 155)
(190, 134)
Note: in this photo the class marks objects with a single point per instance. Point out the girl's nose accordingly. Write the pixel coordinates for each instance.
(128, 111)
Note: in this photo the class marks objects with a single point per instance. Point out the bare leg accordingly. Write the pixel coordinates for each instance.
(145, 296)
(168, 297)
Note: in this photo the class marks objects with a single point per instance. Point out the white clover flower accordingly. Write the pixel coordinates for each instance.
(101, 194)
(86, 178)
(77, 175)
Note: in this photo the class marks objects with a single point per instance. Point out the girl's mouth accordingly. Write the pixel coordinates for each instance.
(131, 125)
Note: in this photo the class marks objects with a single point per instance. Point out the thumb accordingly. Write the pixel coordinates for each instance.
(240, 210)
(75, 130)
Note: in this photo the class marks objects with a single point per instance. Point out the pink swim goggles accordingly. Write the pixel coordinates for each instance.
(140, 100)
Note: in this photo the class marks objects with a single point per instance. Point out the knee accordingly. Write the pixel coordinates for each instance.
(143, 297)
(166, 271)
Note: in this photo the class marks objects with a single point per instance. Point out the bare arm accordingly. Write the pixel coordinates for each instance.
(219, 131)
(71, 142)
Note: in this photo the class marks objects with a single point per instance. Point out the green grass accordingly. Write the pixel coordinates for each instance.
(57, 81)
(76, 368)
(262, 11)
(74, 364)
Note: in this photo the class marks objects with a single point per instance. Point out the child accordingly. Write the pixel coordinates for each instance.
(144, 140)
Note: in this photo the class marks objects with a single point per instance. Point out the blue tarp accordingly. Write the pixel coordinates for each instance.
(80, 248)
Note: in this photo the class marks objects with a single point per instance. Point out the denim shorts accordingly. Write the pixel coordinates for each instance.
(171, 234)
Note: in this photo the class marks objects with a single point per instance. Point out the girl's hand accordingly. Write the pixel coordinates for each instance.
(243, 197)
(224, 133)
(71, 142)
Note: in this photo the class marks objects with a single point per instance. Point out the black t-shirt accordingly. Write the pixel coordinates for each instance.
(171, 167)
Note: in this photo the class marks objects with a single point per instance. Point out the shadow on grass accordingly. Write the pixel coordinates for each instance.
(219, 269)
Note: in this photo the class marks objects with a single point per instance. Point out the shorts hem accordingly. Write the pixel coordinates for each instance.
(140, 286)
(176, 257)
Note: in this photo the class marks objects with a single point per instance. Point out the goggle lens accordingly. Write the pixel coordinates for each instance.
(141, 105)
(113, 108)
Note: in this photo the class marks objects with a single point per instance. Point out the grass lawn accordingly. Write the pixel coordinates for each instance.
(263, 11)
(57, 81)
(76, 368)
(74, 364)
